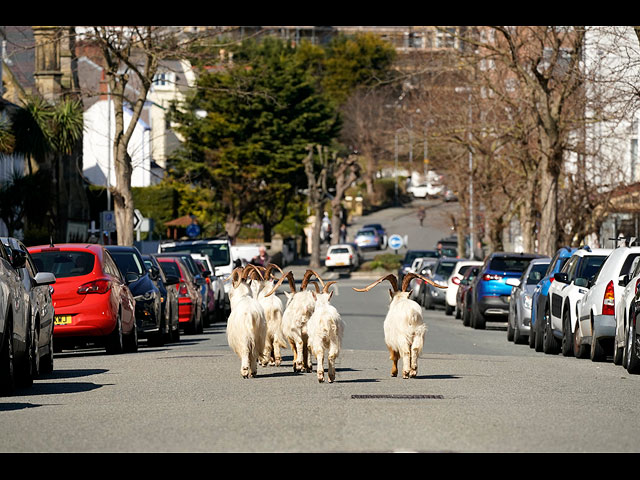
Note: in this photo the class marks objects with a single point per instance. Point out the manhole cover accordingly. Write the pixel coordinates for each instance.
(410, 397)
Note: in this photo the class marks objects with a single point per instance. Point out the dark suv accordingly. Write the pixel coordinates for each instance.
(491, 293)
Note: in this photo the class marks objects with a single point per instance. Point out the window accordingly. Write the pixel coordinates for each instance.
(65, 264)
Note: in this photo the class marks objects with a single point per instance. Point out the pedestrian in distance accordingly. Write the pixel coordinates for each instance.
(421, 215)
(262, 259)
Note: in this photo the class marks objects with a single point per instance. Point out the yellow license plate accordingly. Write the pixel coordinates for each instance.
(62, 320)
(339, 264)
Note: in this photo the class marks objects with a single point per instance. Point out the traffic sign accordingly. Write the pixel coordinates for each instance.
(193, 230)
(395, 242)
(137, 219)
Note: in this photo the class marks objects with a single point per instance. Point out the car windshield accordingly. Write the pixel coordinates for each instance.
(128, 262)
(64, 263)
(444, 269)
(509, 264)
(339, 250)
(411, 256)
(367, 233)
(536, 273)
(218, 252)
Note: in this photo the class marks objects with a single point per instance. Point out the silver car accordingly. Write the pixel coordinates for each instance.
(519, 321)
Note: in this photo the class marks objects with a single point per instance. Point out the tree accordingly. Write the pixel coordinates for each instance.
(261, 112)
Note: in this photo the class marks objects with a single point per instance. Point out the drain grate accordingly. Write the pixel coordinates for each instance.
(411, 397)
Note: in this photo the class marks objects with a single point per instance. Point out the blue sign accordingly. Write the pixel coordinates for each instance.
(193, 230)
(395, 242)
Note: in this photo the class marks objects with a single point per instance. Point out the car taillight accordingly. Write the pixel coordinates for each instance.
(328, 257)
(488, 276)
(97, 286)
(608, 302)
(455, 281)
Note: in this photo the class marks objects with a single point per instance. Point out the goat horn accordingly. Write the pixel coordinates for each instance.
(392, 280)
(308, 275)
(327, 285)
(236, 277)
(255, 272)
(315, 284)
(292, 284)
(409, 276)
(270, 268)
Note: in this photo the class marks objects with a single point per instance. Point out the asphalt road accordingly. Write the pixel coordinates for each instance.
(475, 392)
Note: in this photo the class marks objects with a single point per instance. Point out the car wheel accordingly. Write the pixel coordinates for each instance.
(618, 352)
(448, 310)
(115, 343)
(477, 319)
(532, 334)
(7, 377)
(567, 335)
(130, 342)
(580, 350)
(632, 362)
(458, 315)
(518, 338)
(539, 338)
(550, 343)
(466, 315)
(46, 362)
(597, 353)
(510, 330)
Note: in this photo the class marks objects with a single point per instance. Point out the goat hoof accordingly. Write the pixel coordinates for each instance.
(413, 373)
(405, 374)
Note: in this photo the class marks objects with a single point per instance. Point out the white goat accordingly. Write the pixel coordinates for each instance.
(325, 328)
(298, 309)
(246, 325)
(261, 284)
(404, 328)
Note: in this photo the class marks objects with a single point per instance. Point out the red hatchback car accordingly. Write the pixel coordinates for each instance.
(91, 300)
(189, 311)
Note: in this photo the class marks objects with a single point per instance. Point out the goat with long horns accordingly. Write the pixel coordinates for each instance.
(404, 327)
(298, 309)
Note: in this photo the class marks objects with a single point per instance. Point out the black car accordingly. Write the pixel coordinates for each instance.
(169, 294)
(18, 358)
(410, 256)
(150, 322)
(442, 270)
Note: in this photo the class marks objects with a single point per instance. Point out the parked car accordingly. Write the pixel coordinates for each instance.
(453, 283)
(368, 238)
(426, 190)
(491, 293)
(597, 322)
(216, 287)
(220, 253)
(341, 256)
(519, 320)
(631, 354)
(425, 267)
(38, 287)
(409, 257)
(189, 297)
(463, 297)
(434, 296)
(92, 302)
(568, 287)
(382, 233)
(448, 247)
(168, 294)
(18, 357)
(539, 300)
(198, 281)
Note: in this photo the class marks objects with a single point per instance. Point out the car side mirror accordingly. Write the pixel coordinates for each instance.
(44, 278)
(130, 277)
(623, 280)
(581, 282)
(562, 277)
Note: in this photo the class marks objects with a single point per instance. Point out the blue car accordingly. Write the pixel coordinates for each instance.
(540, 297)
(491, 293)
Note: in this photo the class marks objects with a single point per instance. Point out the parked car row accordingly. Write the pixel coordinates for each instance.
(582, 302)
(56, 297)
